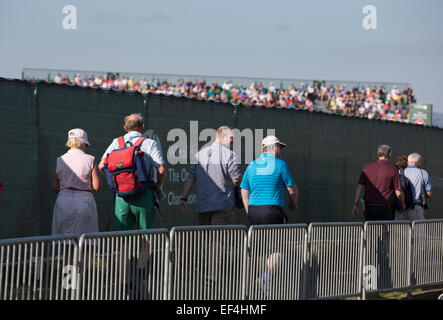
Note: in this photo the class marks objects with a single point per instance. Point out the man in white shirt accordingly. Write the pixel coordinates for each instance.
(138, 212)
(421, 183)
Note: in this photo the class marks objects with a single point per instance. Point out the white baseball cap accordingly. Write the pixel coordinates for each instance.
(271, 140)
(80, 134)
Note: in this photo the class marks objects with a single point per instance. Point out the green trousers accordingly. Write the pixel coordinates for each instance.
(136, 213)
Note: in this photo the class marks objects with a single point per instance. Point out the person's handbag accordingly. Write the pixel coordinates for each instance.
(424, 195)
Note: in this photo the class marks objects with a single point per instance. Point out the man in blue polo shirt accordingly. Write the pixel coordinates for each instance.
(263, 193)
(420, 184)
(264, 183)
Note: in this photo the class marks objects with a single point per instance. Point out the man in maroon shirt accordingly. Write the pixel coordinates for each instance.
(381, 183)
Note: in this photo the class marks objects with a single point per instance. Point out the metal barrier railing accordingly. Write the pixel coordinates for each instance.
(208, 262)
(427, 253)
(387, 254)
(124, 265)
(335, 260)
(277, 262)
(284, 262)
(38, 268)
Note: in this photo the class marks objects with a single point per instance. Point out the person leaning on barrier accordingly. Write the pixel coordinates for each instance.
(215, 173)
(137, 212)
(421, 186)
(381, 183)
(75, 177)
(264, 183)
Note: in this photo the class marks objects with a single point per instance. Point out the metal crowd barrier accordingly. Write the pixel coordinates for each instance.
(207, 262)
(335, 252)
(387, 256)
(277, 262)
(123, 265)
(284, 262)
(38, 268)
(427, 253)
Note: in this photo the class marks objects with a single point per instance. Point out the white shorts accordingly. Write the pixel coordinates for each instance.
(75, 212)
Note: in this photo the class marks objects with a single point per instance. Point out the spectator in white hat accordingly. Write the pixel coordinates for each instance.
(75, 177)
(264, 183)
(263, 194)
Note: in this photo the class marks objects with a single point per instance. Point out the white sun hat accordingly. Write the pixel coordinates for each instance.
(80, 134)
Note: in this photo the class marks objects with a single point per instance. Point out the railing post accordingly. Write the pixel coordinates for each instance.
(363, 261)
(411, 258)
(305, 272)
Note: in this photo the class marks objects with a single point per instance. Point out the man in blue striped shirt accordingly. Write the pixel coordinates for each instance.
(263, 193)
(264, 183)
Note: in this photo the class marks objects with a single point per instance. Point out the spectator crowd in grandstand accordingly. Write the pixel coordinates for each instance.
(370, 102)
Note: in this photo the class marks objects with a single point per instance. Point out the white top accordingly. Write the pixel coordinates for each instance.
(153, 156)
(74, 170)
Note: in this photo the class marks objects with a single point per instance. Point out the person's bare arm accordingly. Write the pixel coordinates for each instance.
(95, 178)
(237, 181)
(160, 175)
(183, 205)
(293, 193)
(245, 199)
(357, 195)
(55, 181)
(101, 166)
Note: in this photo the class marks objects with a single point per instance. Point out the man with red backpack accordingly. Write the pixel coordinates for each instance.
(127, 164)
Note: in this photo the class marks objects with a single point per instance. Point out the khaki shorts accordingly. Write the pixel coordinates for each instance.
(220, 217)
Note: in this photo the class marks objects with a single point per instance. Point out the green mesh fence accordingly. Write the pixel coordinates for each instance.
(19, 204)
(325, 152)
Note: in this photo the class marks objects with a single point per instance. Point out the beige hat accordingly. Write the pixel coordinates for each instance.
(271, 140)
(80, 134)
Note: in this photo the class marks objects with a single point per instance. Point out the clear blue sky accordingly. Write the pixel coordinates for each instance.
(316, 39)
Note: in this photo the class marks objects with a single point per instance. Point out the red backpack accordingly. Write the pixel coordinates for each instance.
(125, 169)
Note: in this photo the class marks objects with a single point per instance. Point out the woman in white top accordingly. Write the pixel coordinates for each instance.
(75, 177)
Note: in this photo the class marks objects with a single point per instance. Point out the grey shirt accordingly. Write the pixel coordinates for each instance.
(215, 168)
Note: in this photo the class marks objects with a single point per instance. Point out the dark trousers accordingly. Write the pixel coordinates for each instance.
(266, 215)
(373, 213)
